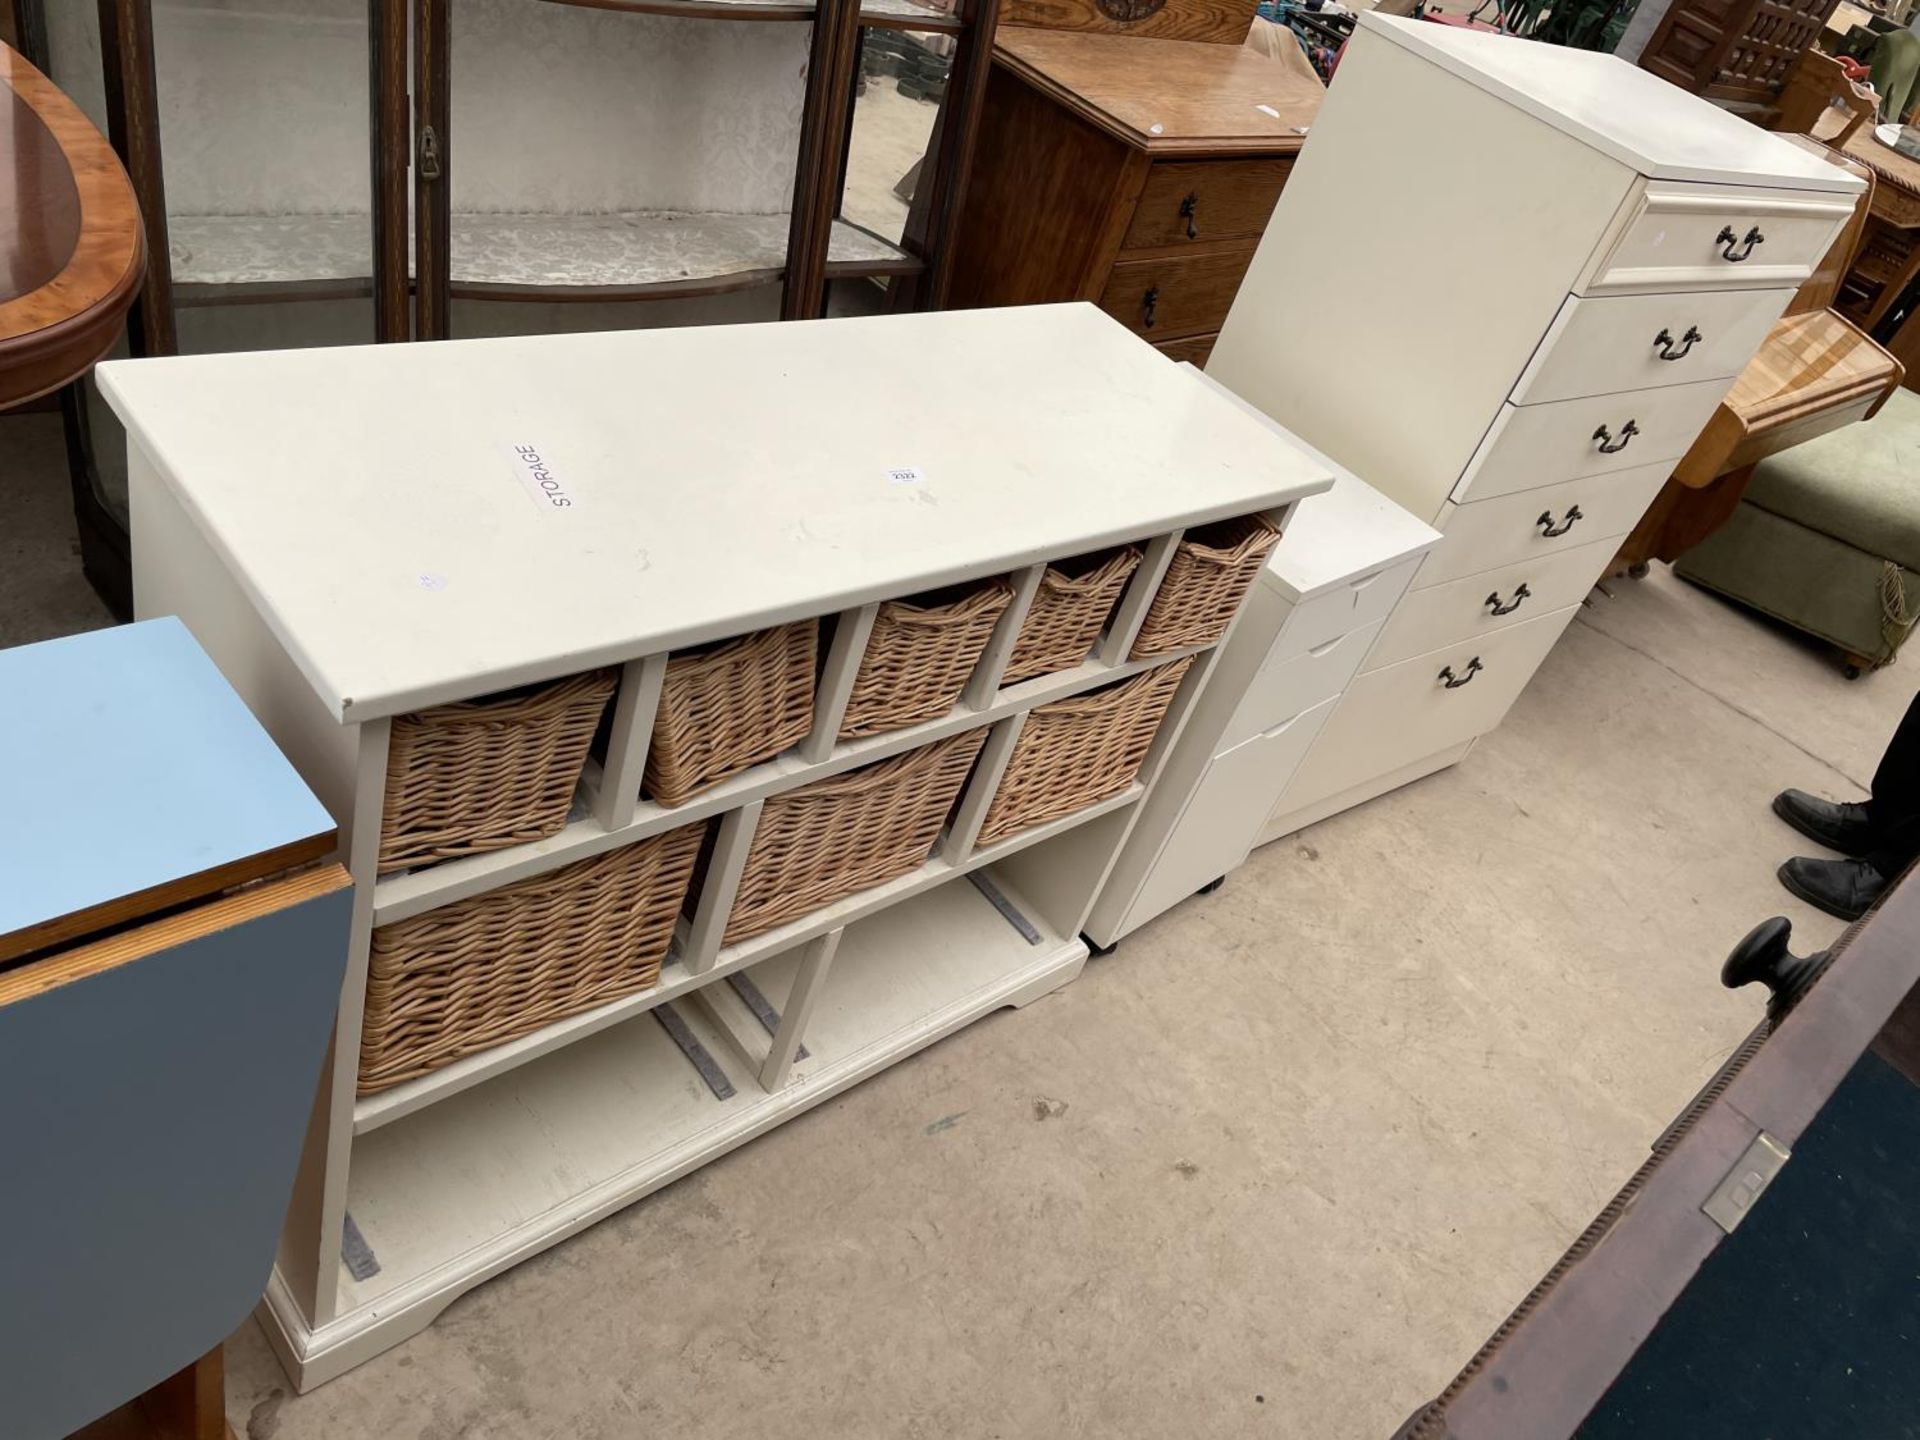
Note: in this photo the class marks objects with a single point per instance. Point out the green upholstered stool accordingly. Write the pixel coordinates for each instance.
(1827, 537)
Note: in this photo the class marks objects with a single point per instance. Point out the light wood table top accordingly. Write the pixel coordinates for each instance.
(1809, 363)
(1168, 97)
(72, 251)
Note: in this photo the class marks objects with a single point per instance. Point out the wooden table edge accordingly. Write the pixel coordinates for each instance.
(99, 281)
(78, 924)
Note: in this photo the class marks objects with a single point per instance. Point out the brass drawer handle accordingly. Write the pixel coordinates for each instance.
(1552, 531)
(1187, 207)
(1687, 341)
(1521, 594)
(1148, 302)
(1725, 239)
(1607, 445)
(1465, 677)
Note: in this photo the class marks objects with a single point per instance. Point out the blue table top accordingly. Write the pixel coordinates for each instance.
(132, 777)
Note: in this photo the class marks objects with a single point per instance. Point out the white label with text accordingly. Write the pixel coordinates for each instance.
(905, 475)
(533, 468)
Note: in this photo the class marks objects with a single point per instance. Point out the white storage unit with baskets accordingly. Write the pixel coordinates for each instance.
(657, 680)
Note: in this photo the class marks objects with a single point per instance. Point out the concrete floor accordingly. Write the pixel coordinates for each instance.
(1277, 1166)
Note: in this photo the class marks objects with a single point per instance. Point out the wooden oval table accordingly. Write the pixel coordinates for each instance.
(72, 252)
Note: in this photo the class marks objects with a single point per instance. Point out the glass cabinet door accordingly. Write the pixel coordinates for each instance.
(264, 237)
(900, 119)
(619, 167)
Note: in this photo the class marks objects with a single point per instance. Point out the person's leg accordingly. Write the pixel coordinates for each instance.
(1894, 809)
(1880, 837)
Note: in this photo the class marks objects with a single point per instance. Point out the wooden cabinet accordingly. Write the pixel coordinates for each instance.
(1531, 399)
(1736, 52)
(344, 600)
(1134, 172)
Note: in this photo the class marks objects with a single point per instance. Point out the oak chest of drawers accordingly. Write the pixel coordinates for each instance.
(1523, 309)
(1137, 173)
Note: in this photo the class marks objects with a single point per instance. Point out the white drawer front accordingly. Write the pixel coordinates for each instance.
(1487, 534)
(1465, 609)
(1231, 803)
(1287, 684)
(1392, 717)
(1534, 445)
(1686, 236)
(1335, 612)
(1603, 344)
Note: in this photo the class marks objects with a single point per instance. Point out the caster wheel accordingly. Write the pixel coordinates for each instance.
(1211, 886)
(1640, 571)
(1852, 672)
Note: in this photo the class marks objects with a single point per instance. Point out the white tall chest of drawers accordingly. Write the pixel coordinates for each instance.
(1506, 285)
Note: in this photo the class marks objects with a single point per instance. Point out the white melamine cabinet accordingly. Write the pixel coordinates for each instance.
(1615, 250)
(354, 536)
(1339, 572)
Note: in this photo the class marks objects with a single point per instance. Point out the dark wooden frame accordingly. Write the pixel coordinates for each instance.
(1737, 52)
(934, 218)
(819, 174)
(410, 94)
(432, 161)
(1551, 1362)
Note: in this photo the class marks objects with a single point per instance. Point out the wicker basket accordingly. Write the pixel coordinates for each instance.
(1072, 604)
(484, 774)
(725, 707)
(848, 832)
(476, 973)
(920, 654)
(1076, 752)
(1213, 567)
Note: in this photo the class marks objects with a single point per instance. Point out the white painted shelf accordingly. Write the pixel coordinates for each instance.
(656, 248)
(636, 250)
(461, 1191)
(894, 14)
(676, 979)
(725, 479)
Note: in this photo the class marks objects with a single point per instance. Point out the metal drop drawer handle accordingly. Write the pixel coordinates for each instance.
(1454, 682)
(1187, 207)
(1610, 446)
(1552, 531)
(1687, 341)
(1725, 239)
(1147, 303)
(1521, 594)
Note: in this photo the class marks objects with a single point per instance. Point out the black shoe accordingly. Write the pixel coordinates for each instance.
(1840, 887)
(1838, 826)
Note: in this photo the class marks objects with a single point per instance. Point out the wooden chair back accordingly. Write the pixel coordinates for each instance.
(1807, 102)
